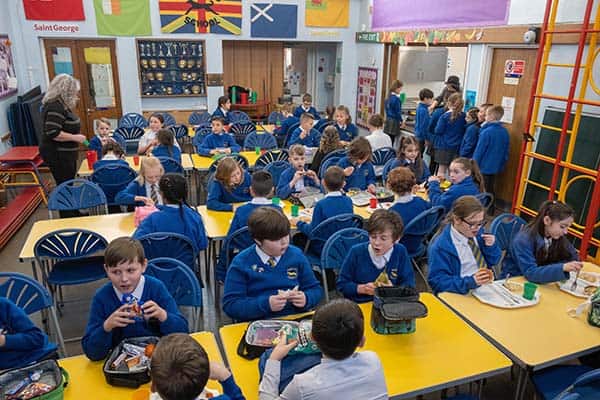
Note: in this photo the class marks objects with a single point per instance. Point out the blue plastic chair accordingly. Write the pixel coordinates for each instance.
(77, 194)
(199, 118)
(275, 117)
(322, 232)
(169, 244)
(559, 381)
(240, 130)
(117, 137)
(417, 233)
(169, 119)
(387, 168)
(180, 131)
(112, 179)
(505, 227)
(233, 244)
(181, 284)
(276, 168)
(201, 132)
(237, 116)
(132, 120)
(322, 124)
(288, 134)
(381, 157)
(271, 156)
(132, 136)
(31, 297)
(336, 249)
(171, 165)
(241, 160)
(486, 199)
(326, 163)
(263, 140)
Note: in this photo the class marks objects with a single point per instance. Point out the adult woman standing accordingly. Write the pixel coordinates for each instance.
(393, 111)
(59, 144)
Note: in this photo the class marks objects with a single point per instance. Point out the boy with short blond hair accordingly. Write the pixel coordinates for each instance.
(296, 178)
(305, 134)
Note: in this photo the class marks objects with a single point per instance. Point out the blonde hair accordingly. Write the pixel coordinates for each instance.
(104, 121)
(225, 168)
(297, 150)
(64, 88)
(457, 103)
(146, 164)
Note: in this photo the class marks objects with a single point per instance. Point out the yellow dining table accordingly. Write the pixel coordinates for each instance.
(443, 352)
(186, 163)
(86, 378)
(203, 163)
(534, 337)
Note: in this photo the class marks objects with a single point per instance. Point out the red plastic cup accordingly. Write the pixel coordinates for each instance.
(92, 157)
(244, 98)
(136, 160)
(373, 202)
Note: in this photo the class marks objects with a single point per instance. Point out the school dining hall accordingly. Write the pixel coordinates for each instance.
(316, 199)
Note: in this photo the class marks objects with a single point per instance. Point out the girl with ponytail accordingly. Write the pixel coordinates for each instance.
(465, 178)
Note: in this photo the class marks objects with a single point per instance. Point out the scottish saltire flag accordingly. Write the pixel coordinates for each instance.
(270, 20)
(201, 16)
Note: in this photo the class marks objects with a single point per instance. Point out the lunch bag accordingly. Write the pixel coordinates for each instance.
(16, 380)
(395, 310)
(122, 377)
(594, 312)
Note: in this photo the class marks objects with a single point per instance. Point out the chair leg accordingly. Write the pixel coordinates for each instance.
(325, 286)
(58, 331)
(421, 273)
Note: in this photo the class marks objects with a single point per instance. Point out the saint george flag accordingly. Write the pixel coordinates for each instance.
(54, 10)
(270, 20)
(201, 16)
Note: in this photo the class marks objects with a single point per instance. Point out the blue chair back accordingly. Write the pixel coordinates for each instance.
(131, 135)
(288, 134)
(236, 242)
(322, 124)
(237, 116)
(241, 160)
(486, 199)
(112, 179)
(387, 168)
(383, 155)
(326, 163)
(585, 387)
(201, 132)
(132, 120)
(262, 140)
(169, 119)
(181, 283)
(169, 244)
(271, 156)
(78, 194)
(275, 117)
(276, 168)
(339, 153)
(419, 229)
(240, 130)
(117, 137)
(171, 165)
(505, 227)
(199, 117)
(179, 130)
(322, 232)
(69, 244)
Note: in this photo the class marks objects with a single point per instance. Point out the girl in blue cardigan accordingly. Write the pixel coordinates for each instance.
(541, 251)
(230, 185)
(409, 156)
(460, 258)
(449, 132)
(465, 178)
(343, 123)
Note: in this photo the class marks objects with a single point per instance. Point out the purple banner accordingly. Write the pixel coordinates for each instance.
(410, 14)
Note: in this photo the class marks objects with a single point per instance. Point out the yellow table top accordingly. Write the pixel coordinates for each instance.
(429, 359)
(202, 163)
(87, 379)
(186, 163)
(538, 335)
(110, 226)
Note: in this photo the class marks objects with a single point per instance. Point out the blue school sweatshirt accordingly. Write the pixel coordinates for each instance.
(406, 163)
(520, 260)
(327, 207)
(393, 107)
(313, 111)
(219, 113)
(312, 140)
(450, 133)
(286, 124)
(408, 211)
(170, 218)
(284, 190)
(491, 152)
(250, 283)
(358, 268)
(422, 122)
(362, 176)
(103, 162)
(163, 151)
(445, 199)
(96, 145)
(467, 146)
(231, 391)
(97, 342)
(213, 141)
(221, 199)
(348, 132)
(25, 342)
(433, 120)
(127, 195)
(444, 264)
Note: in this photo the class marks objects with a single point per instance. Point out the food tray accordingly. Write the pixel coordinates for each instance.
(361, 198)
(587, 284)
(495, 294)
(384, 206)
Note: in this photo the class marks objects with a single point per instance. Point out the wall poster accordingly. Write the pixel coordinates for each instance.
(366, 95)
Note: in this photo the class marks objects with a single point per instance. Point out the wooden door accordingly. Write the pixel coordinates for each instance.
(520, 92)
(94, 63)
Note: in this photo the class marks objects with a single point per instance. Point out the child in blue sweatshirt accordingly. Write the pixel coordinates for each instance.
(432, 141)
(381, 262)
(357, 166)
(305, 134)
(467, 146)
(306, 107)
(222, 110)
(492, 148)
(409, 156)
(422, 118)
(219, 141)
(343, 123)
(113, 317)
(295, 179)
(180, 368)
(270, 278)
(175, 215)
(102, 136)
(166, 146)
(112, 154)
(143, 190)
(465, 178)
(449, 133)
(21, 342)
(460, 258)
(541, 251)
(231, 184)
(287, 123)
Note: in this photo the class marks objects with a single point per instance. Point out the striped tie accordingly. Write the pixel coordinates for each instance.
(153, 193)
(477, 254)
(272, 262)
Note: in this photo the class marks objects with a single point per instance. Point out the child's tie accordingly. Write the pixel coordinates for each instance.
(153, 193)
(272, 262)
(477, 253)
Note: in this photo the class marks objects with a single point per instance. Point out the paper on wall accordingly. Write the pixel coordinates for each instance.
(508, 103)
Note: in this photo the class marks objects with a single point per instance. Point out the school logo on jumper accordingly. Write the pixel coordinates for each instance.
(201, 16)
(292, 273)
(256, 268)
(273, 20)
(394, 274)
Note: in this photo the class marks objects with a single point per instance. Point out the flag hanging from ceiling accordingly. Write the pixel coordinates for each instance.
(327, 13)
(123, 17)
(270, 20)
(54, 10)
(201, 16)
(410, 14)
